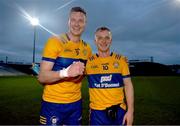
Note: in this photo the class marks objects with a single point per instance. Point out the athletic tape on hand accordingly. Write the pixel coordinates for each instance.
(64, 72)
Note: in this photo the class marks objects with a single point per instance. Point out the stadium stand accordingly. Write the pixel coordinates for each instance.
(6, 70)
(137, 68)
(150, 69)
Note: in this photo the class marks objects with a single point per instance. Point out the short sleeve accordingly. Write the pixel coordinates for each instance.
(124, 67)
(51, 49)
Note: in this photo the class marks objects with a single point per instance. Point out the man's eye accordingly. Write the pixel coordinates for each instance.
(107, 38)
(99, 38)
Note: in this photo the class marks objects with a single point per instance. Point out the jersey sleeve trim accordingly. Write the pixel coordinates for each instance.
(48, 59)
(126, 76)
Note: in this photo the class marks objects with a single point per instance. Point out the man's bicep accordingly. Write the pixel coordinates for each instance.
(46, 66)
(127, 81)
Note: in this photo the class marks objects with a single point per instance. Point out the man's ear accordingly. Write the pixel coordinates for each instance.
(95, 41)
(111, 41)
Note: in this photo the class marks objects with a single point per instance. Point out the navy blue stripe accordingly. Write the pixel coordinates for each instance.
(62, 62)
(126, 76)
(113, 80)
(48, 59)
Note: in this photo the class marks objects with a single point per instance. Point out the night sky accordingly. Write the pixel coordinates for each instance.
(141, 28)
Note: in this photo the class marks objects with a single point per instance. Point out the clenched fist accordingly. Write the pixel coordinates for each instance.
(75, 69)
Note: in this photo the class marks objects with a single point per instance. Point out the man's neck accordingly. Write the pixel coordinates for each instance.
(104, 54)
(73, 38)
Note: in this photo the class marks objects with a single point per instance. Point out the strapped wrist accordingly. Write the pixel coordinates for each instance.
(64, 72)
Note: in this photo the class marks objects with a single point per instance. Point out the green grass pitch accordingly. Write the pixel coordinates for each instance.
(157, 100)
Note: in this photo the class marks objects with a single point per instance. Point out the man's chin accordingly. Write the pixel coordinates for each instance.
(77, 34)
(105, 49)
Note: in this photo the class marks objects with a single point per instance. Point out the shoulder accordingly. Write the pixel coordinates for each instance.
(92, 58)
(117, 56)
(53, 39)
(120, 57)
(85, 44)
(53, 43)
(63, 38)
(87, 47)
(58, 40)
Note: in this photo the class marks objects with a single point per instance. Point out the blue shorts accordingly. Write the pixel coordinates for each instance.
(99, 117)
(61, 114)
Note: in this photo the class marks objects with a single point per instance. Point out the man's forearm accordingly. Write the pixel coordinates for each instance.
(48, 77)
(129, 92)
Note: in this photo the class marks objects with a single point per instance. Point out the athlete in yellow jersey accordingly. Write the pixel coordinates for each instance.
(109, 84)
(61, 71)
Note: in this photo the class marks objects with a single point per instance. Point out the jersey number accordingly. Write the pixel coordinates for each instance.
(77, 51)
(105, 67)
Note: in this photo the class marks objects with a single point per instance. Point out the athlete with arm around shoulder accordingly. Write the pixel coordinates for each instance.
(63, 60)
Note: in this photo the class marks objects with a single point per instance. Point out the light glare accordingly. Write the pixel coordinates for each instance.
(29, 18)
(34, 21)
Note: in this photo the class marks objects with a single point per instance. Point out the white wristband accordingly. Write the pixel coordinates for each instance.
(64, 72)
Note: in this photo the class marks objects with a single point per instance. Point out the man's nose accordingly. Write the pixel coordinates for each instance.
(103, 40)
(76, 23)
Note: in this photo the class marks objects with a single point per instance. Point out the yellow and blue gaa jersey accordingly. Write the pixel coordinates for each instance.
(105, 77)
(63, 52)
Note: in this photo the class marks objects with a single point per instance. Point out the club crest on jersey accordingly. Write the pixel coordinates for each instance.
(116, 64)
(54, 120)
(84, 52)
(106, 78)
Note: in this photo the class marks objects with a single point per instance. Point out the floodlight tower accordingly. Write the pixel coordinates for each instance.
(35, 23)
